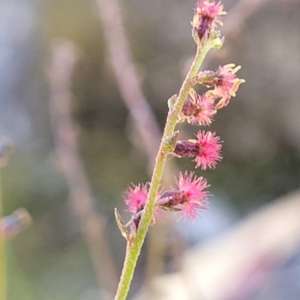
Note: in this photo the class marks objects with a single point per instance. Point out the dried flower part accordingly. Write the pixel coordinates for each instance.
(188, 197)
(205, 78)
(225, 84)
(198, 109)
(135, 197)
(169, 199)
(206, 17)
(187, 148)
(226, 81)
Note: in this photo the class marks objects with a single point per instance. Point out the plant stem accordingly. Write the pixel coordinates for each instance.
(134, 248)
(2, 256)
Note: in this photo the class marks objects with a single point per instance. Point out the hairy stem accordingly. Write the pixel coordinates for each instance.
(134, 248)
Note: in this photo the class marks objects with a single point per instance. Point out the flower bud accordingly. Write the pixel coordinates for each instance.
(206, 17)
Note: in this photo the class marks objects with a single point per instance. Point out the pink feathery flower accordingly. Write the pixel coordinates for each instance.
(194, 196)
(226, 84)
(199, 109)
(209, 8)
(135, 197)
(206, 149)
(209, 150)
(207, 15)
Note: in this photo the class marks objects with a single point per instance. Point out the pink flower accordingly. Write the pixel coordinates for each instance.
(226, 84)
(209, 8)
(207, 15)
(209, 150)
(199, 109)
(135, 197)
(189, 196)
(206, 149)
(194, 196)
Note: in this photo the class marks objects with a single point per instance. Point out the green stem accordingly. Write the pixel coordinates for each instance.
(134, 248)
(2, 257)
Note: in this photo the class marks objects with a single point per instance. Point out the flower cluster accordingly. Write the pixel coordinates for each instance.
(190, 195)
(201, 109)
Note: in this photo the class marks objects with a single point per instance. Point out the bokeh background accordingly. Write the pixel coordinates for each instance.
(260, 129)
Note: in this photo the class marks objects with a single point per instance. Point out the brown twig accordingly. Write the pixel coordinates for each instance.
(145, 123)
(82, 202)
(122, 64)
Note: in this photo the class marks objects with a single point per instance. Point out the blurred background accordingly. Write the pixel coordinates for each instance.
(63, 255)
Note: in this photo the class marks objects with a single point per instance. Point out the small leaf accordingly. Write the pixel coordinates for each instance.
(172, 101)
(170, 142)
(125, 233)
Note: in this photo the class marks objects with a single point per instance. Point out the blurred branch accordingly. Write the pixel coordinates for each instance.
(145, 123)
(2, 256)
(122, 64)
(82, 202)
(239, 13)
(6, 148)
(11, 225)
